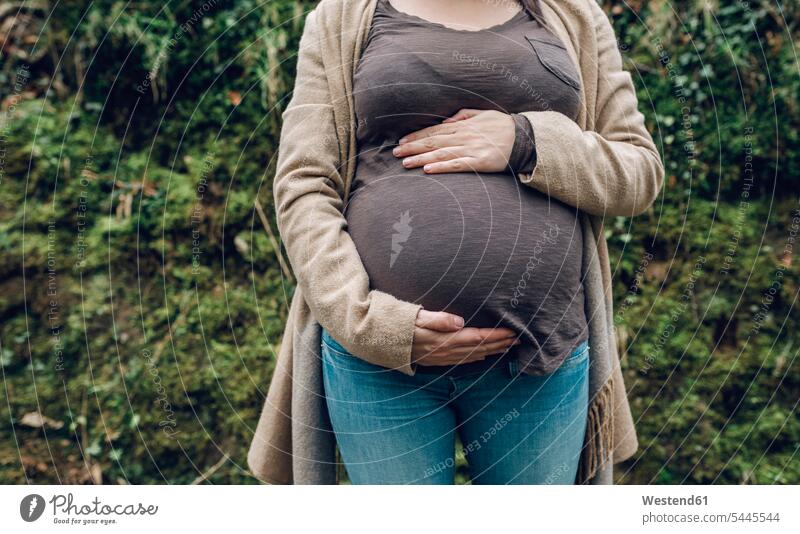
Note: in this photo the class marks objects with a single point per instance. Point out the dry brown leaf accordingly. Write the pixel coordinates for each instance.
(234, 97)
(97, 473)
(241, 245)
(657, 270)
(37, 420)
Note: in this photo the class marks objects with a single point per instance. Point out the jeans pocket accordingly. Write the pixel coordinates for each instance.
(578, 356)
(333, 345)
(332, 351)
(333, 358)
(340, 358)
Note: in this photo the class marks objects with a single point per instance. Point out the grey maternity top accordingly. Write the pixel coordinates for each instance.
(480, 245)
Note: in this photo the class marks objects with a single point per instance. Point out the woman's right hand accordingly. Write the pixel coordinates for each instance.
(441, 339)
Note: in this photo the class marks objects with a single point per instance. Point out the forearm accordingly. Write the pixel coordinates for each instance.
(371, 324)
(308, 191)
(591, 171)
(614, 169)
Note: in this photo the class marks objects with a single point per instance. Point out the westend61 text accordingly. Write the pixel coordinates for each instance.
(694, 500)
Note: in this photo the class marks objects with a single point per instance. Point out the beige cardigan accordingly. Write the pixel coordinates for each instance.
(606, 164)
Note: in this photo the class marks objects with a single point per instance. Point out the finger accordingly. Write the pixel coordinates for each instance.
(461, 355)
(442, 154)
(436, 129)
(499, 343)
(432, 340)
(507, 340)
(451, 356)
(473, 336)
(425, 144)
(495, 334)
(462, 114)
(440, 321)
(486, 348)
(495, 329)
(461, 164)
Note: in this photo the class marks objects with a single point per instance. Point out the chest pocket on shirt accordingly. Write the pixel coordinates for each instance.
(553, 56)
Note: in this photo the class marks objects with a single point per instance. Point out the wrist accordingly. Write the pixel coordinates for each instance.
(523, 152)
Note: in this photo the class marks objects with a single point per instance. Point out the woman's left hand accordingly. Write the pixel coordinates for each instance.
(471, 140)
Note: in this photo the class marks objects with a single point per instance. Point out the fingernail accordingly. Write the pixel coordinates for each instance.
(427, 168)
(459, 322)
(407, 162)
(403, 140)
(396, 151)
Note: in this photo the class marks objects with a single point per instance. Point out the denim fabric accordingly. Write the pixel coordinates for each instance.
(514, 428)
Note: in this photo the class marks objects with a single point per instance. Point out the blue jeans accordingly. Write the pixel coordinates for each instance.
(514, 428)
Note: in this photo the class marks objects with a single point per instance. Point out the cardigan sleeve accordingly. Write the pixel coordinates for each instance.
(613, 170)
(308, 190)
(523, 151)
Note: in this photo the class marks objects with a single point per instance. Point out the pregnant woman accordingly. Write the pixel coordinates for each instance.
(452, 282)
(438, 220)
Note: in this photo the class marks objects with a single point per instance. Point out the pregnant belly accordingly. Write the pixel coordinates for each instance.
(485, 247)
